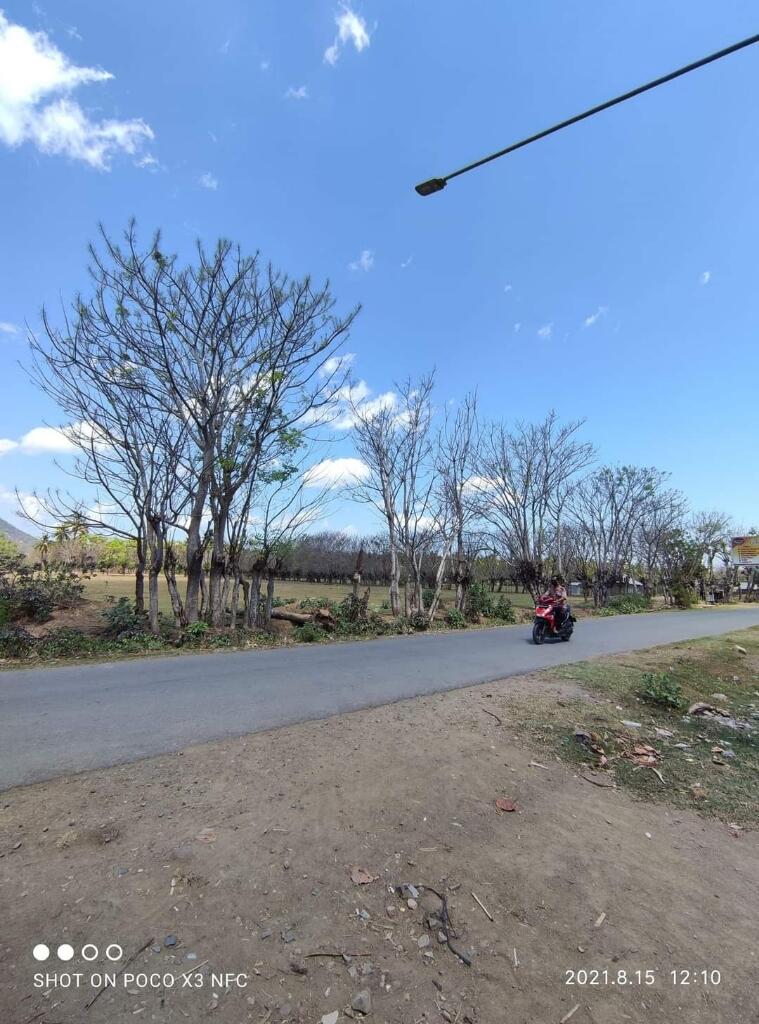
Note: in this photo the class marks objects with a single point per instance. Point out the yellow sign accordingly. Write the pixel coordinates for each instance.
(745, 550)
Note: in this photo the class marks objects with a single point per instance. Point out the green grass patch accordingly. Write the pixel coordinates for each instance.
(705, 764)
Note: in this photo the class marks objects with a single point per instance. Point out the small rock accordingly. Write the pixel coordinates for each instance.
(446, 1015)
(719, 696)
(740, 650)
(630, 725)
(170, 940)
(353, 972)
(391, 910)
(409, 892)
(330, 1018)
(362, 1001)
(155, 949)
(412, 904)
(664, 734)
(298, 967)
(437, 984)
(367, 967)
(265, 934)
(284, 1011)
(423, 941)
(442, 937)
(288, 936)
(363, 914)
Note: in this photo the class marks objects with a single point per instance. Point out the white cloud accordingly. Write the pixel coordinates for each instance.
(517, 328)
(507, 287)
(208, 181)
(8, 328)
(224, 48)
(148, 162)
(369, 407)
(264, 65)
(335, 363)
(595, 317)
(41, 440)
(301, 93)
(351, 28)
(6, 445)
(365, 261)
(705, 278)
(336, 473)
(545, 331)
(407, 262)
(36, 80)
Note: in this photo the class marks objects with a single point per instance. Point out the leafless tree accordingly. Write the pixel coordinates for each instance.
(455, 469)
(521, 473)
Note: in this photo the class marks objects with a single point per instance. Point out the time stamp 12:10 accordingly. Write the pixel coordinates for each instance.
(680, 977)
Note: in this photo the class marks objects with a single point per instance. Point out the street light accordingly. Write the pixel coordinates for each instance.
(426, 188)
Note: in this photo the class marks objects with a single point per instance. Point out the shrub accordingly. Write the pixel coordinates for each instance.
(122, 619)
(419, 621)
(195, 632)
(683, 596)
(66, 643)
(308, 633)
(628, 604)
(15, 642)
(503, 609)
(455, 619)
(660, 688)
(479, 602)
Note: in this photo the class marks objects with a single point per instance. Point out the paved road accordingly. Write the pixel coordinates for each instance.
(59, 720)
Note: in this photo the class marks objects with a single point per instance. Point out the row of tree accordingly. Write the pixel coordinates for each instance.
(197, 396)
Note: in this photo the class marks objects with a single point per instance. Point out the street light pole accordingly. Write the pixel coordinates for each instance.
(426, 188)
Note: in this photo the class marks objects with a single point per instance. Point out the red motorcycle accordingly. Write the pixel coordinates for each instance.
(545, 622)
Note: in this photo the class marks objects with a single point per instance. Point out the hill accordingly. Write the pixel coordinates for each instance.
(24, 540)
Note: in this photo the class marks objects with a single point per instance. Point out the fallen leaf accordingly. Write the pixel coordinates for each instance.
(359, 876)
(502, 804)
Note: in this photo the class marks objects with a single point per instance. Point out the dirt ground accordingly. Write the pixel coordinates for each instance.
(236, 858)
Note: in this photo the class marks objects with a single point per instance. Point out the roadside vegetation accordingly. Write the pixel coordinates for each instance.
(676, 724)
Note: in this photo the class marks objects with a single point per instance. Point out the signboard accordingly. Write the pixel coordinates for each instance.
(745, 551)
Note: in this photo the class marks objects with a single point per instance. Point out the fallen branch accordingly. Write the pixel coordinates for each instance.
(499, 720)
(132, 958)
(309, 955)
(481, 904)
(571, 1013)
(447, 925)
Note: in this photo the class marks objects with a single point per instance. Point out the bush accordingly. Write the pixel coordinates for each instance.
(195, 632)
(660, 688)
(15, 642)
(455, 619)
(66, 643)
(419, 621)
(683, 596)
(122, 619)
(503, 609)
(479, 602)
(628, 604)
(308, 633)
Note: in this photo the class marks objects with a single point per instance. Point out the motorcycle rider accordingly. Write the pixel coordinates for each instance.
(557, 596)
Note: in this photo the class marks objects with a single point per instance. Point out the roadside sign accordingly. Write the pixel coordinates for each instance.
(745, 550)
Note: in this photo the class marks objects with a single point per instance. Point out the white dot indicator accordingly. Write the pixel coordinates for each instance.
(114, 952)
(65, 952)
(90, 952)
(41, 952)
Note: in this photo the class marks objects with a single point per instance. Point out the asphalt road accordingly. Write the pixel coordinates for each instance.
(59, 720)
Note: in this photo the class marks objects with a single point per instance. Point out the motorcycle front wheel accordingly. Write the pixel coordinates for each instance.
(539, 632)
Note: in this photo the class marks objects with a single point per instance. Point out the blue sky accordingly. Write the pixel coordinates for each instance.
(610, 271)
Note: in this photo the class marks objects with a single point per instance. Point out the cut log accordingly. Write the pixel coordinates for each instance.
(299, 618)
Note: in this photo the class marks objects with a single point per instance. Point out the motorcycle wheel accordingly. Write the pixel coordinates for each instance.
(539, 632)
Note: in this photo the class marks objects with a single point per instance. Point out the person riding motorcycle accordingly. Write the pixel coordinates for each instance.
(556, 595)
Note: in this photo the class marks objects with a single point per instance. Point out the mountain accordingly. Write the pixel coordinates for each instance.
(24, 540)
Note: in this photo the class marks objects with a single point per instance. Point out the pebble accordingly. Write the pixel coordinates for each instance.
(412, 904)
(362, 1001)
(266, 934)
(288, 936)
(391, 910)
(170, 940)
(423, 941)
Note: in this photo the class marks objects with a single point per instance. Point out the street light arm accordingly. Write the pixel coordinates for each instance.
(437, 184)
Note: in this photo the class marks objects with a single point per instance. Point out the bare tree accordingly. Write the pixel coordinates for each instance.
(521, 473)
(455, 468)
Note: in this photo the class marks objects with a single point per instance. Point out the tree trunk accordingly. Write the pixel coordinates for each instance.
(169, 571)
(139, 580)
(153, 620)
(195, 546)
(395, 597)
(218, 571)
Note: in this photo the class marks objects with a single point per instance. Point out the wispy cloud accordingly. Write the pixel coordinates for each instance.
(365, 261)
(507, 287)
(407, 263)
(224, 48)
(545, 331)
(351, 28)
(705, 277)
(301, 93)
(36, 82)
(593, 318)
(335, 363)
(8, 328)
(264, 65)
(208, 181)
(517, 328)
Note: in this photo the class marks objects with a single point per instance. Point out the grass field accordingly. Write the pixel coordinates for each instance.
(101, 586)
